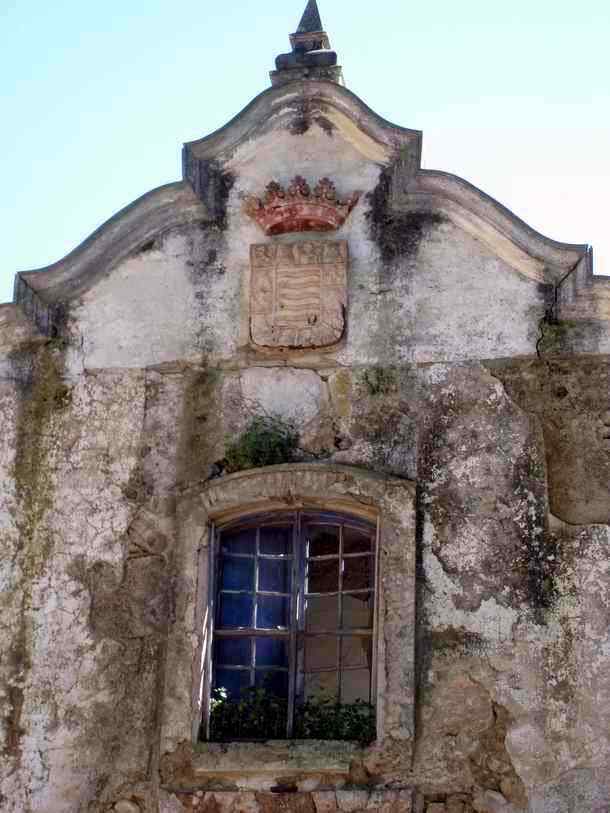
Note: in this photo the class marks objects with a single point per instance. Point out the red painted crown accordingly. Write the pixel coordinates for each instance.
(299, 209)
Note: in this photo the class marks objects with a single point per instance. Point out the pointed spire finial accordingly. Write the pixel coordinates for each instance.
(311, 56)
(310, 21)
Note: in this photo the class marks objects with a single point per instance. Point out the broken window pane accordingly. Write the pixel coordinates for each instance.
(324, 588)
(321, 613)
(321, 685)
(356, 685)
(357, 610)
(321, 653)
(356, 651)
(358, 573)
(322, 540)
(322, 576)
(356, 541)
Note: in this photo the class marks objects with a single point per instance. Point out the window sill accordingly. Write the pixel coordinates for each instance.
(314, 759)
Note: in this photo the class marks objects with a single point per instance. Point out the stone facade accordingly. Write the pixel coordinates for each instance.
(463, 404)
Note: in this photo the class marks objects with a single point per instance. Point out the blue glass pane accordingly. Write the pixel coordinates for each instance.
(274, 575)
(235, 610)
(272, 612)
(232, 652)
(274, 682)
(237, 574)
(271, 652)
(239, 541)
(276, 540)
(233, 680)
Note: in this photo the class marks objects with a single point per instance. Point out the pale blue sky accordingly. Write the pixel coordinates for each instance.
(97, 99)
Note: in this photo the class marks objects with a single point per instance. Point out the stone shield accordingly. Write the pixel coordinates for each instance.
(298, 293)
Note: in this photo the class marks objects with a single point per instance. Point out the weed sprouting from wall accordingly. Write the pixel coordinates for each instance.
(267, 441)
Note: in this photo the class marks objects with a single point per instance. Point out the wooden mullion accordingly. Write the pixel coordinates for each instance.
(338, 638)
(294, 614)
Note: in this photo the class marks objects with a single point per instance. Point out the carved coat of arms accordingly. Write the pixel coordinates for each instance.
(298, 293)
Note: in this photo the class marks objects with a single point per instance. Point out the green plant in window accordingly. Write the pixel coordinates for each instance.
(267, 441)
(323, 718)
(257, 714)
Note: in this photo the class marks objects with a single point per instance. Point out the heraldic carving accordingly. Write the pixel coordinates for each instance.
(298, 208)
(298, 293)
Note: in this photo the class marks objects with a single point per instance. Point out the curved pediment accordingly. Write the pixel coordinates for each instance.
(320, 130)
(522, 247)
(123, 234)
(298, 106)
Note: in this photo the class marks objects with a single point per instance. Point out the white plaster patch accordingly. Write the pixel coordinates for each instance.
(296, 395)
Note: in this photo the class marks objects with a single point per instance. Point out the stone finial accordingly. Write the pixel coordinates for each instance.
(310, 21)
(299, 207)
(311, 56)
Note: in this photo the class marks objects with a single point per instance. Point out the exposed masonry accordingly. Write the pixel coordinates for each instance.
(465, 404)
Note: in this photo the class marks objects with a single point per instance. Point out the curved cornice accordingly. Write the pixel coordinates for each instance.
(307, 100)
(126, 232)
(529, 252)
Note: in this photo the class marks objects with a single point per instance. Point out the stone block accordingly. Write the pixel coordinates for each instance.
(436, 807)
(325, 801)
(352, 800)
(125, 806)
(390, 801)
(168, 803)
(221, 802)
(491, 802)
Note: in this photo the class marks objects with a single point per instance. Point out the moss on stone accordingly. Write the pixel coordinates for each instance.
(397, 234)
(454, 640)
(554, 336)
(201, 425)
(380, 380)
(44, 393)
(266, 441)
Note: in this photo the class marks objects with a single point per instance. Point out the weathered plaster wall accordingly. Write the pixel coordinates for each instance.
(453, 378)
(437, 293)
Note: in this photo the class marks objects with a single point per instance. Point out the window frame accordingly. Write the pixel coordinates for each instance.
(319, 486)
(299, 518)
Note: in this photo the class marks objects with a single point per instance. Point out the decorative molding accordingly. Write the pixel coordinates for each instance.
(299, 208)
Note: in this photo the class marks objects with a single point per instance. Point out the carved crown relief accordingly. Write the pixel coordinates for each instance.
(299, 208)
(298, 293)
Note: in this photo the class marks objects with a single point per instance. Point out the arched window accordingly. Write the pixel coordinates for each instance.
(293, 628)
